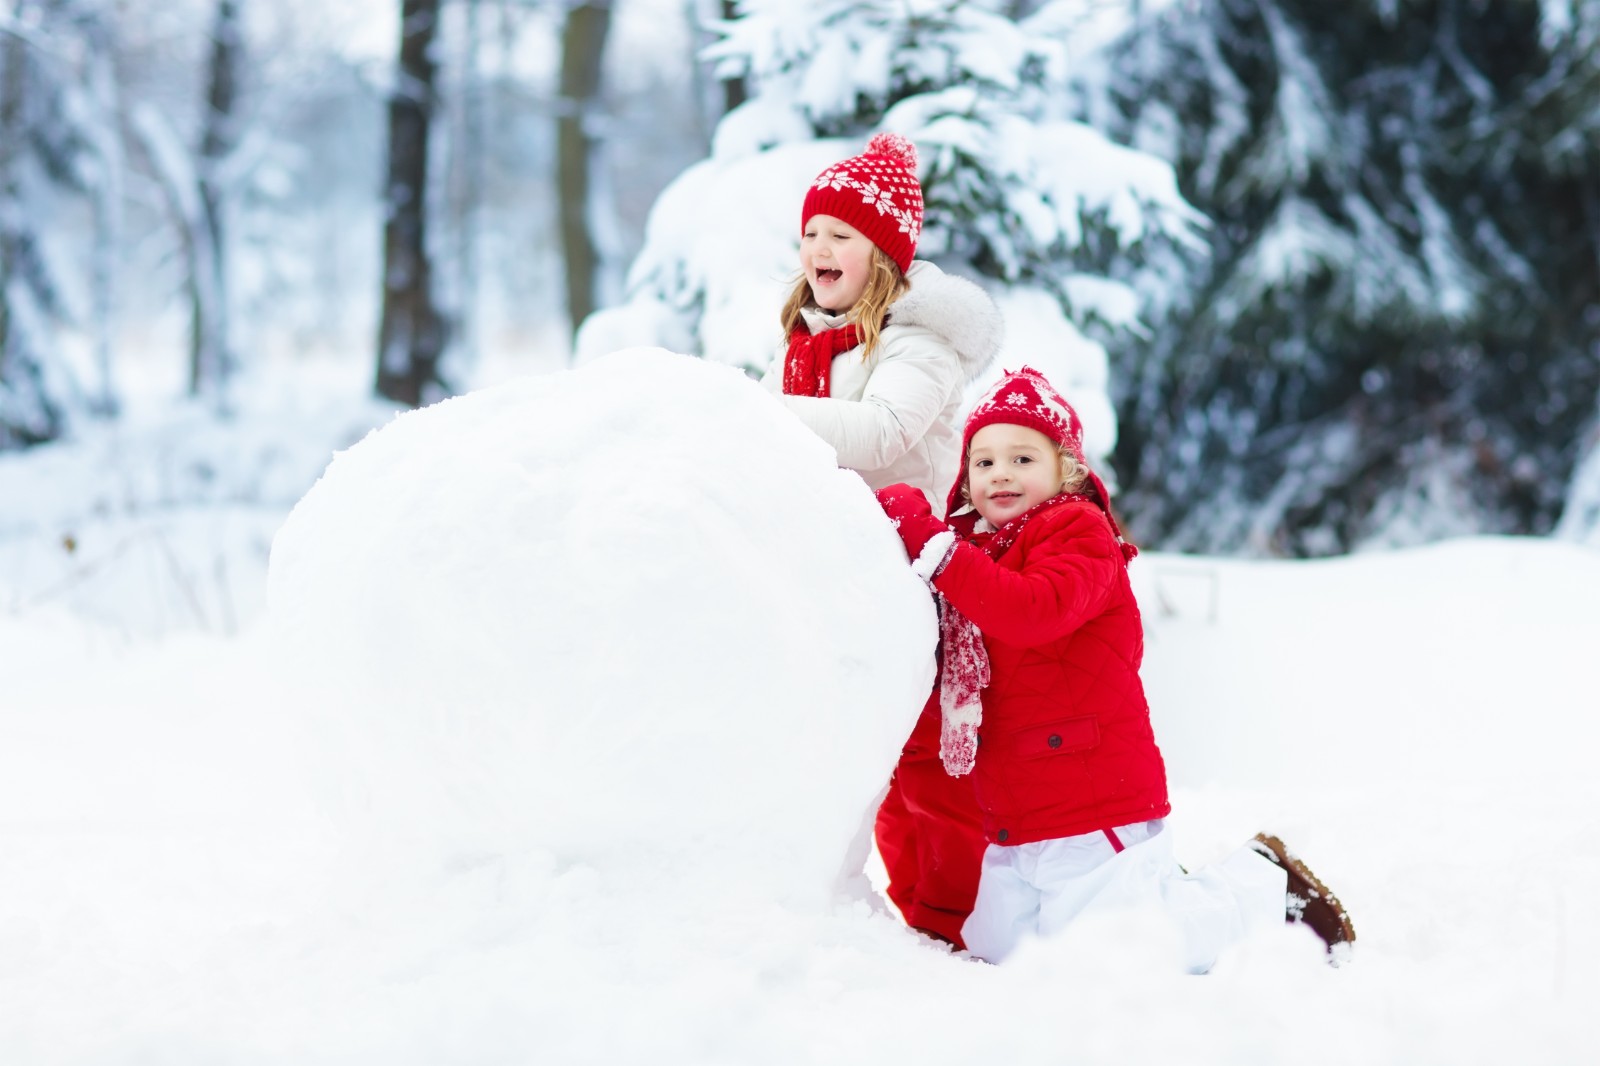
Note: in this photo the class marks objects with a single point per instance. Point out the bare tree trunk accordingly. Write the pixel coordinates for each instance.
(13, 56)
(734, 91)
(467, 181)
(411, 336)
(583, 42)
(28, 415)
(210, 355)
(102, 85)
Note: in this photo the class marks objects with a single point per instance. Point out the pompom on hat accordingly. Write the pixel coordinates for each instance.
(876, 192)
(1025, 398)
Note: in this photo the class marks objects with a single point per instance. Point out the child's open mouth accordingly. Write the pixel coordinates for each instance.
(829, 275)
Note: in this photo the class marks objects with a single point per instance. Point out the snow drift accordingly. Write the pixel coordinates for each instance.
(471, 620)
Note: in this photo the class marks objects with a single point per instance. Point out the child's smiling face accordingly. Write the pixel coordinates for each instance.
(837, 259)
(1010, 469)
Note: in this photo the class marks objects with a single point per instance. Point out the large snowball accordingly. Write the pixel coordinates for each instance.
(631, 615)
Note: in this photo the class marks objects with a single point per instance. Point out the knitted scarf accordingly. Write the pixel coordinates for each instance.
(963, 660)
(809, 363)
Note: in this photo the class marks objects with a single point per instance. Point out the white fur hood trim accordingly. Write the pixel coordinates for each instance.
(955, 309)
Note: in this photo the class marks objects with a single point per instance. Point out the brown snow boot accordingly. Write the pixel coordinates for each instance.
(1309, 901)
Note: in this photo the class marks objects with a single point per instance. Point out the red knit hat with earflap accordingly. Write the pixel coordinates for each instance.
(876, 192)
(1025, 398)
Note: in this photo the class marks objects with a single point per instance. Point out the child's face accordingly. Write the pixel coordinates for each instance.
(837, 260)
(1010, 469)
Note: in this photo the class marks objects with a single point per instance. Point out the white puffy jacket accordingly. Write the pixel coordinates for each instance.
(893, 417)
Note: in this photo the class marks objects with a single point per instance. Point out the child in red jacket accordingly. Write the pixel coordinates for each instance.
(1040, 699)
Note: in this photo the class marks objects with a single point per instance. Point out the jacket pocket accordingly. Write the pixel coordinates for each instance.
(1060, 737)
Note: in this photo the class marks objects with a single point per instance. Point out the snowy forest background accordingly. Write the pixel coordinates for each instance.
(1337, 266)
(1323, 280)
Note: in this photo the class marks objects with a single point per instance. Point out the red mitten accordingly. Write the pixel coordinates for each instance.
(912, 516)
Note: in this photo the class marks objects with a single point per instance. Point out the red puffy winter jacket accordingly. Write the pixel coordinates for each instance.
(1065, 746)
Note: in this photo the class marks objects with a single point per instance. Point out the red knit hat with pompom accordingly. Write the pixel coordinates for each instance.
(1026, 398)
(876, 192)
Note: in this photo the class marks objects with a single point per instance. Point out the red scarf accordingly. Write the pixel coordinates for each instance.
(809, 363)
(1007, 535)
(996, 543)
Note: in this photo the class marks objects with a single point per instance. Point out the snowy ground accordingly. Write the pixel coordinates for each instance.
(205, 857)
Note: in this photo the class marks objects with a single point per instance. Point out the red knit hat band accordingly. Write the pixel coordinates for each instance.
(876, 192)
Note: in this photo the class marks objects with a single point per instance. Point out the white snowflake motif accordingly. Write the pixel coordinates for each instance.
(908, 224)
(882, 199)
(835, 179)
(1016, 399)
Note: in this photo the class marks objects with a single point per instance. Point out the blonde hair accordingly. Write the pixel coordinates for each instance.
(1074, 474)
(886, 283)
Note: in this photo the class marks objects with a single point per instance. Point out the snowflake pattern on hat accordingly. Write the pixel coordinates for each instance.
(883, 199)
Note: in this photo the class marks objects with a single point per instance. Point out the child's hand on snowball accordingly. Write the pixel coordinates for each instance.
(913, 518)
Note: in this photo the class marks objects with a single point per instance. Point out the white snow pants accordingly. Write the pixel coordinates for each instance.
(1037, 889)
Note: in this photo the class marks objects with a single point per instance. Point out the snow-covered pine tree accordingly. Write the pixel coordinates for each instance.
(59, 152)
(1060, 218)
(1395, 338)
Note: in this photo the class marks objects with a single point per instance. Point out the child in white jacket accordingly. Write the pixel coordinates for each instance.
(879, 347)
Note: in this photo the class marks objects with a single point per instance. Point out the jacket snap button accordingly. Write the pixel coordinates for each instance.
(1055, 740)
(1001, 836)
